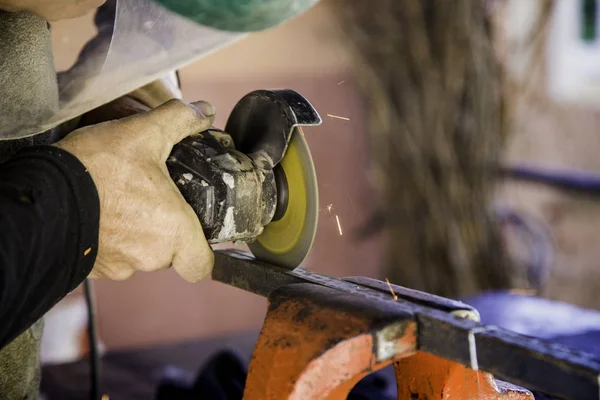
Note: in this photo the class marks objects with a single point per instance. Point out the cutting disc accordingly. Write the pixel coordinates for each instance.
(287, 241)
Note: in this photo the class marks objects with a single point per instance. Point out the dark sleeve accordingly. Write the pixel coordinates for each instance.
(49, 221)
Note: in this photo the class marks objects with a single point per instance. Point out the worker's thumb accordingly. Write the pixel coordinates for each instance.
(172, 122)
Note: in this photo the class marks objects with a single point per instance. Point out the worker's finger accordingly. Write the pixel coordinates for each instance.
(115, 270)
(194, 259)
(163, 127)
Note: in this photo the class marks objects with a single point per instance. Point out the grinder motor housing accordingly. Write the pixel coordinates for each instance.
(232, 178)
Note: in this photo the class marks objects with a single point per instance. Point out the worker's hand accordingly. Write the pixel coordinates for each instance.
(145, 223)
(52, 10)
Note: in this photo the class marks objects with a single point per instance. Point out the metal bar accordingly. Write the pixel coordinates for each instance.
(238, 269)
(412, 296)
(243, 271)
(539, 365)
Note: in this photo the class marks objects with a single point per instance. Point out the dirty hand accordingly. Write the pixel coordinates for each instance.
(52, 10)
(145, 223)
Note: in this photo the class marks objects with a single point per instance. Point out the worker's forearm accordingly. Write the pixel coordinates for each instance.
(49, 221)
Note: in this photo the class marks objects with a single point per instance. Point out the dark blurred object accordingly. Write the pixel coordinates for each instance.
(374, 387)
(92, 332)
(223, 378)
(529, 245)
(137, 374)
(575, 182)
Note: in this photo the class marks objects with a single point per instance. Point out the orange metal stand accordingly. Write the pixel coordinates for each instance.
(318, 342)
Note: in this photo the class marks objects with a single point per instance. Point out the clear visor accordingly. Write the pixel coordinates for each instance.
(138, 41)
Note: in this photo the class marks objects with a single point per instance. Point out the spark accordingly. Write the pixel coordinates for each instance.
(391, 290)
(338, 117)
(341, 82)
(329, 208)
(339, 225)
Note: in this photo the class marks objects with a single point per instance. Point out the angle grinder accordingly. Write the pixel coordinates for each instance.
(254, 182)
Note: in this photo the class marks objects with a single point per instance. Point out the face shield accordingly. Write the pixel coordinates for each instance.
(138, 41)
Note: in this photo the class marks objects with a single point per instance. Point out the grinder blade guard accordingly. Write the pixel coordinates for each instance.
(254, 182)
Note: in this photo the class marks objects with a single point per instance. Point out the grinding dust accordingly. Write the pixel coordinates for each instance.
(432, 87)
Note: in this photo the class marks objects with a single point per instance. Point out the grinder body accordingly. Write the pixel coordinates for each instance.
(233, 194)
(242, 183)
